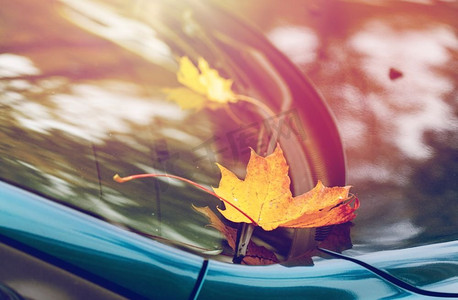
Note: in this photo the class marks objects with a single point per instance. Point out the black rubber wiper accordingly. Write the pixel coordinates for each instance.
(386, 276)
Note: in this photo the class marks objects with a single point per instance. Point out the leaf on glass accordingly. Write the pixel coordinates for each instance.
(265, 196)
(204, 87)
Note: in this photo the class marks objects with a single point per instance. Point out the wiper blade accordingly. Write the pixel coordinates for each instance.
(386, 276)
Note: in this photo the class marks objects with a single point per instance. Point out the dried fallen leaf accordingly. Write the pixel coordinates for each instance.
(186, 98)
(394, 74)
(204, 86)
(256, 255)
(338, 239)
(265, 196)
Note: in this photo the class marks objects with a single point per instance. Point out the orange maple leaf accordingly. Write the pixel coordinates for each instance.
(265, 196)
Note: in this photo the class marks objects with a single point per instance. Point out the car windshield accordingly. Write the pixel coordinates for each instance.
(84, 97)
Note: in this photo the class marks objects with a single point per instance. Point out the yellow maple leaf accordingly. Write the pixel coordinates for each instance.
(204, 86)
(266, 197)
(186, 98)
(189, 76)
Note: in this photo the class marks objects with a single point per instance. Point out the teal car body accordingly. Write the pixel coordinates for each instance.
(135, 267)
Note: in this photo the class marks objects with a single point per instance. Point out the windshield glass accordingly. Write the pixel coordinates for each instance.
(84, 97)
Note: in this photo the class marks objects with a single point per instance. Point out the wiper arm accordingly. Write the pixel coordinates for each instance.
(394, 280)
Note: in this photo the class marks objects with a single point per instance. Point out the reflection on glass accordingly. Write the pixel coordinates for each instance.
(89, 103)
(387, 71)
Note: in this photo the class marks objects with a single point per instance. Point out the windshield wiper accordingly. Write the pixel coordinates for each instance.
(386, 276)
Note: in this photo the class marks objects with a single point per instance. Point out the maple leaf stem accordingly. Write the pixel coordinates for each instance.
(257, 103)
(274, 138)
(120, 179)
(233, 115)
